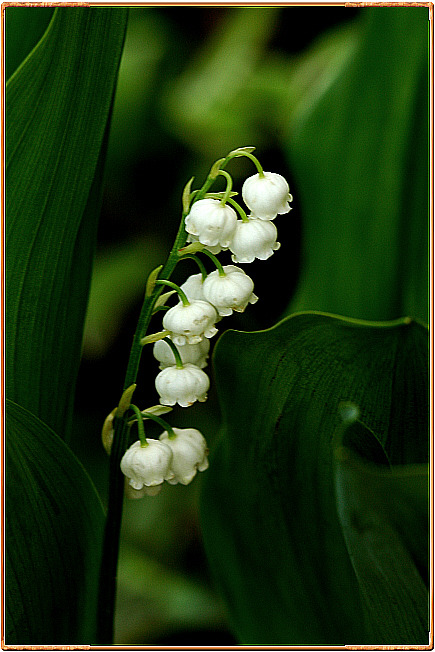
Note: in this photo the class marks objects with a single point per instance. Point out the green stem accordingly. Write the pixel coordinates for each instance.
(216, 262)
(239, 209)
(198, 262)
(229, 187)
(110, 551)
(161, 422)
(177, 288)
(254, 159)
(140, 426)
(175, 351)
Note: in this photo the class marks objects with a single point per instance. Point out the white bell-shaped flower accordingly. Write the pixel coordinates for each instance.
(183, 385)
(212, 222)
(254, 239)
(147, 466)
(214, 250)
(192, 288)
(190, 324)
(230, 292)
(267, 196)
(136, 494)
(190, 452)
(196, 354)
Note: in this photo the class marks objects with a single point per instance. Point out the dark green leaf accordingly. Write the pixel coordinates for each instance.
(54, 527)
(359, 152)
(57, 110)
(24, 26)
(384, 516)
(269, 513)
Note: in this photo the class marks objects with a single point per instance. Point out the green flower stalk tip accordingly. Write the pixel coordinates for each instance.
(241, 151)
(151, 282)
(192, 248)
(186, 198)
(163, 299)
(125, 400)
(154, 337)
(215, 169)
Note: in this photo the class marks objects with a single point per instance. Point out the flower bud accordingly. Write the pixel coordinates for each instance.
(254, 239)
(189, 324)
(195, 354)
(230, 292)
(212, 222)
(183, 386)
(147, 466)
(190, 452)
(266, 196)
(108, 431)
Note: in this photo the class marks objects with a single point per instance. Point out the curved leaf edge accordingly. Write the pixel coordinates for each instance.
(61, 443)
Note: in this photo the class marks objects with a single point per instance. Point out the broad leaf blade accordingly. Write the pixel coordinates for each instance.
(54, 527)
(268, 510)
(57, 110)
(384, 516)
(359, 153)
(23, 30)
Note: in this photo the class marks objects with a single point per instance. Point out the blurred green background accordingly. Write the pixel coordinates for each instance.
(336, 100)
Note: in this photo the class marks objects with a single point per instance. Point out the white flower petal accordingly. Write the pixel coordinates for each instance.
(254, 239)
(190, 452)
(147, 466)
(196, 354)
(230, 292)
(192, 288)
(183, 386)
(267, 196)
(190, 323)
(212, 222)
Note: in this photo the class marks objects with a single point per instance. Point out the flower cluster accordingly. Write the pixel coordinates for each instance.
(213, 222)
(175, 458)
(215, 225)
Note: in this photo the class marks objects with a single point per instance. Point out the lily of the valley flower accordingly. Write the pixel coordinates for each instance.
(193, 289)
(214, 250)
(267, 195)
(136, 494)
(196, 354)
(189, 324)
(254, 239)
(212, 222)
(183, 385)
(233, 291)
(190, 452)
(148, 466)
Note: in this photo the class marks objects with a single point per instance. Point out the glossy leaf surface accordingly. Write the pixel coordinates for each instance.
(384, 516)
(57, 110)
(54, 524)
(269, 510)
(23, 29)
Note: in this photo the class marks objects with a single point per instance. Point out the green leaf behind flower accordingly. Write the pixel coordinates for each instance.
(359, 151)
(274, 531)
